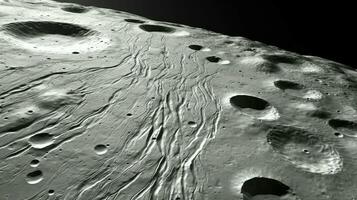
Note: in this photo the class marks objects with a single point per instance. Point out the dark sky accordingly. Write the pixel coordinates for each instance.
(322, 29)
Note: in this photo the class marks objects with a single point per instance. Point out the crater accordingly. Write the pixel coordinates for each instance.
(31, 29)
(51, 192)
(41, 140)
(346, 127)
(156, 28)
(192, 123)
(136, 21)
(213, 59)
(100, 149)
(75, 9)
(34, 177)
(284, 85)
(246, 101)
(195, 47)
(339, 135)
(304, 150)
(263, 186)
(34, 163)
(54, 37)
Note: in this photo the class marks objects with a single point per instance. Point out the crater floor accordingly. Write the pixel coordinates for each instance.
(99, 104)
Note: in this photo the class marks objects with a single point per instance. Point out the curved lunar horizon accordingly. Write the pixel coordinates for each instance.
(99, 104)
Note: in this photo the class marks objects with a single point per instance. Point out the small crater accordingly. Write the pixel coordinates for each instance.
(195, 47)
(284, 85)
(34, 163)
(263, 186)
(246, 101)
(136, 21)
(156, 28)
(192, 123)
(101, 149)
(346, 127)
(339, 135)
(213, 59)
(75, 9)
(281, 58)
(51, 192)
(34, 177)
(41, 140)
(31, 29)
(304, 150)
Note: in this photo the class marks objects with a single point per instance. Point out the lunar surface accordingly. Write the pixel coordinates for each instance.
(99, 104)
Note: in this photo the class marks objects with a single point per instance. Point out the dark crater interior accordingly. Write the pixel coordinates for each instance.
(195, 47)
(263, 186)
(75, 9)
(284, 85)
(213, 59)
(156, 28)
(34, 162)
(340, 124)
(246, 101)
(30, 29)
(34, 174)
(136, 21)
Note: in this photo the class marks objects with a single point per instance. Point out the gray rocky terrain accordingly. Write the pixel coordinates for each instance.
(98, 104)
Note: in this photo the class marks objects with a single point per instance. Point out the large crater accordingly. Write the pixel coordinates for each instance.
(30, 29)
(304, 150)
(54, 37)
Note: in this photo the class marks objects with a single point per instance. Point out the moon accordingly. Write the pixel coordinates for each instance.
(102, 104)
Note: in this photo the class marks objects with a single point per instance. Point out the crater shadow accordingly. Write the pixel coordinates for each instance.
(195, 47)
(136, 21)
(263, 186)
(75, 9)
(284, 85)
(213, 59)
(156, 28)
(246, 101)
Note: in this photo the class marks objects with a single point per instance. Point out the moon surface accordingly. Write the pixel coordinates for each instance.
(99, 104)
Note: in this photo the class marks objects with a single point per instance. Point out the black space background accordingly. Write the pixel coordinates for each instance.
(325, 29)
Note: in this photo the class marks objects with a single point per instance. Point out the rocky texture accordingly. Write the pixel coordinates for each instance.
(98, 104)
